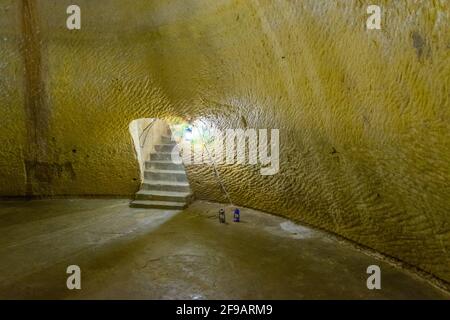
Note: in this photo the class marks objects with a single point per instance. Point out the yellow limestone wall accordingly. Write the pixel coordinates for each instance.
(363, 115)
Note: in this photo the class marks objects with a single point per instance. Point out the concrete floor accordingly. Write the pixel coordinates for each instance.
(154, 254)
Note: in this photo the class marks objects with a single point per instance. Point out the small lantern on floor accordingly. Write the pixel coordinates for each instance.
(236, 215)
(222, 216)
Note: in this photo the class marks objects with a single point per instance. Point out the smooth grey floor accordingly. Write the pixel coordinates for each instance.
(154, 254)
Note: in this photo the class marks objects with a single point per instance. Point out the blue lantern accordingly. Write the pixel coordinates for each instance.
(236, 215)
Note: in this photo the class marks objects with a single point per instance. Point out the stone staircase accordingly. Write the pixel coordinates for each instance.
(165, 183)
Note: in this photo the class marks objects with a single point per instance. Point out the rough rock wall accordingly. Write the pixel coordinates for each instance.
(363, 115)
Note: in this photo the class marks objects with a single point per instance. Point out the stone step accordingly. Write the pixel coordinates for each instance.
(166, 185)
(163, 165)
(165, 147)
(161, 156)
(167, 140)
(158, 195)
(152, 204)
(165, 175)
